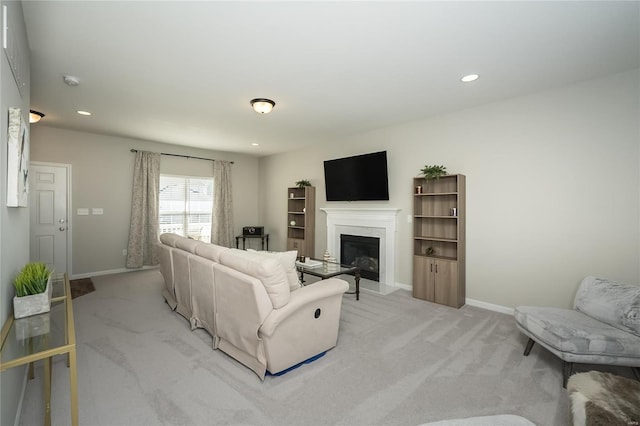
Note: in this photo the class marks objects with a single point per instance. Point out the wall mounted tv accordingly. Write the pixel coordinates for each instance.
(358, 178)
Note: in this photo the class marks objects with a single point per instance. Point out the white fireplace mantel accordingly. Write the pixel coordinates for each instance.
(369, 222)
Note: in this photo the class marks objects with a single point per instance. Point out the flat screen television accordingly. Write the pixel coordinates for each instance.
(358, 178)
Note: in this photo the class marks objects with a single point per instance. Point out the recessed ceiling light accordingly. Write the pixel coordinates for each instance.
(469, 78)
(83, 112)
(255, 144)
(71, 80)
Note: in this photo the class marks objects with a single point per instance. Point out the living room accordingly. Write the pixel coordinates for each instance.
(553, 186)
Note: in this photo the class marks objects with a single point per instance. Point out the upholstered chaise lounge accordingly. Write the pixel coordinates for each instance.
(602, 328)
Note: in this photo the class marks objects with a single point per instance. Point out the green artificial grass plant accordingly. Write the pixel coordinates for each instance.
(32, 279)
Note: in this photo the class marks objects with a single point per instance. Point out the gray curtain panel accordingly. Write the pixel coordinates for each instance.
(222, 214)
(144, 228)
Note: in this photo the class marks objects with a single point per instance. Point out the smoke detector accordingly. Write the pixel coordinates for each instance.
(71, 80)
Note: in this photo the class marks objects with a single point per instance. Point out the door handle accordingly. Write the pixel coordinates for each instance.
(62, 228)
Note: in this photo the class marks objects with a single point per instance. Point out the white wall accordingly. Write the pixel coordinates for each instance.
(102, 170)
(552, 187)
(14, 222)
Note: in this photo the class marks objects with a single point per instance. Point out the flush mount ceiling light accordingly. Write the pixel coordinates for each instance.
(35, 116)
(262, 106)
(83, 112)
(469, 78)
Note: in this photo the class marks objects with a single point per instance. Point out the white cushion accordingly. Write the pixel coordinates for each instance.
(210, 251)
(268, 270)
(187, 244)
(288, 261)
(170, 239)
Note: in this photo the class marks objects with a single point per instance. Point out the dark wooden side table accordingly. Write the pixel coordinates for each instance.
(263, 238)
(328, 270)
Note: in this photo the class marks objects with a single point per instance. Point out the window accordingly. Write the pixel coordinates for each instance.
(185, 206)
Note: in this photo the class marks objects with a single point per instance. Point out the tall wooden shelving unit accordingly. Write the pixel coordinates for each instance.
(439, 240)
(301, 210)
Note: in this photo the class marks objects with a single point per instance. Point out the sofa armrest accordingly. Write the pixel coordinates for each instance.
(301, 298)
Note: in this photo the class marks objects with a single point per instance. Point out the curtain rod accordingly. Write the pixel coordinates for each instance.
(183, 156)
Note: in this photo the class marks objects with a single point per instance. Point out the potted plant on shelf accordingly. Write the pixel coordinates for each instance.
(433, 172)
(33, 290)
(302, 183)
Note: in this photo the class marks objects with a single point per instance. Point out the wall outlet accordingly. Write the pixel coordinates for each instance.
(124, 252)
(409, 218)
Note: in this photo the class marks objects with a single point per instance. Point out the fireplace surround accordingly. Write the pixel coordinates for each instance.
(368, 222)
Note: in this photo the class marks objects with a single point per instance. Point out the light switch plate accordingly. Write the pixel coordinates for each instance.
(97, 211)
(83, 212)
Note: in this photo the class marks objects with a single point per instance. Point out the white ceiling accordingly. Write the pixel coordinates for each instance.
(184, 72)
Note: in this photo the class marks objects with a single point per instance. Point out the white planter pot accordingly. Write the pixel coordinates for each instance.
(32, 305)
(35, 325)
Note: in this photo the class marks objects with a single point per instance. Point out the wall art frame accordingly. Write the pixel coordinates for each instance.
(17, 160)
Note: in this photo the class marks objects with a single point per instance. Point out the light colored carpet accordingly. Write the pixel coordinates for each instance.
(399, 361)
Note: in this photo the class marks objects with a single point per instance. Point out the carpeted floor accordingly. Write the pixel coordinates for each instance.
(81, 287)
(399, 361)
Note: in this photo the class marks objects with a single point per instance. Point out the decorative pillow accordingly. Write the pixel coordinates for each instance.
(268, 270)
(610, 302)
(288, 261)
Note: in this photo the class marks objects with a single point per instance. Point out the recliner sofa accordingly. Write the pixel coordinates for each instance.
(251, 303)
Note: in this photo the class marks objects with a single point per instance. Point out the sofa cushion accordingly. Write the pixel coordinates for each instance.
(188, 244)
(170, 239)
(288, 261)
(613, 303)
(268, 270)
(210, 251)
(571, 331)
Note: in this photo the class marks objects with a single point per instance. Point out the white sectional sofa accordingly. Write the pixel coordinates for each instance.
(251, 303)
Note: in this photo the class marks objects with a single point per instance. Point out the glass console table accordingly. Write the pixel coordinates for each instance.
(41, 337)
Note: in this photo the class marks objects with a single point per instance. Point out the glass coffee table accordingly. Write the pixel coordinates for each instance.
(324, 269)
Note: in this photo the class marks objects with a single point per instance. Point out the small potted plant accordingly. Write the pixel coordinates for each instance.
(302, 183)
(33, 290)
(433, 172)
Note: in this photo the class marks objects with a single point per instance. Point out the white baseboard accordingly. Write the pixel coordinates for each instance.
(109, 272)
(402, 286)
(470, 302)
(489, 306)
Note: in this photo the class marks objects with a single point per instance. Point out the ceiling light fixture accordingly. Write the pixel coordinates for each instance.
(469, 78)
(83, 112)
(35, 116)
(262, 106)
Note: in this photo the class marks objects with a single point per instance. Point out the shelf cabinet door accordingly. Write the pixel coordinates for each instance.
(436, 280)
(423, 278)
(445, 276)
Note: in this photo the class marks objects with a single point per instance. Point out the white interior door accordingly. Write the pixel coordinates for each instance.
(49, 224)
